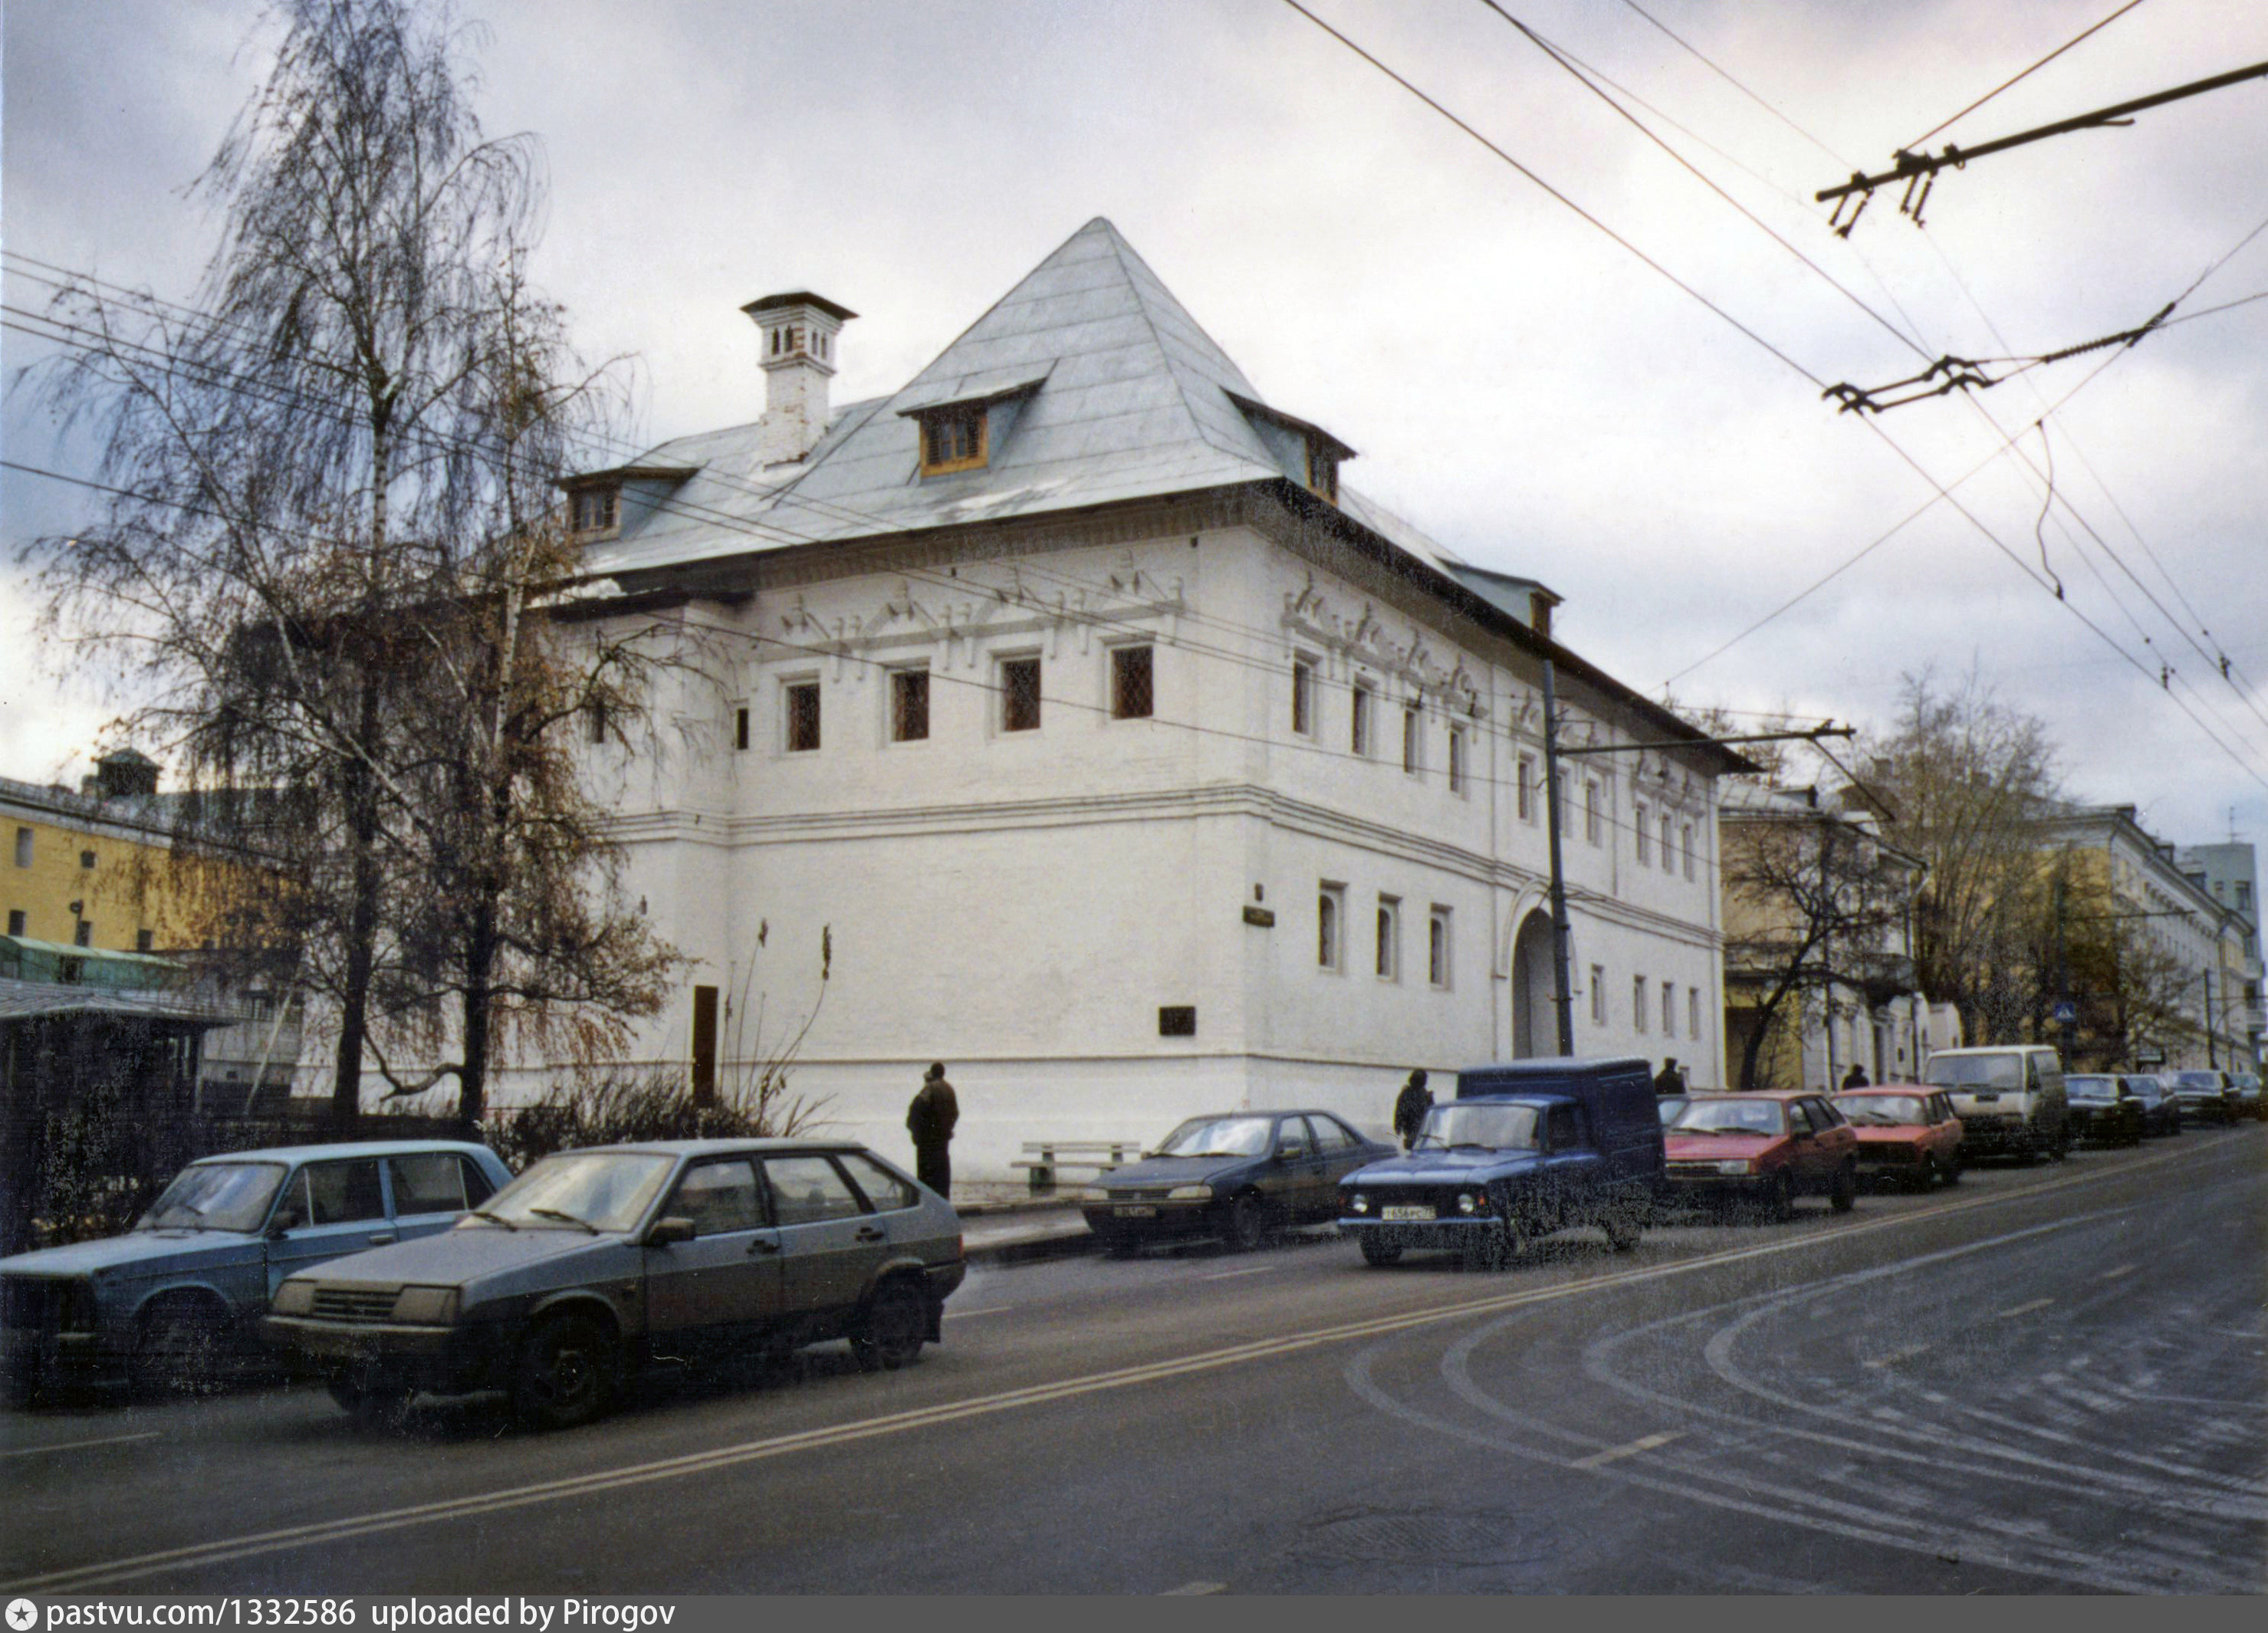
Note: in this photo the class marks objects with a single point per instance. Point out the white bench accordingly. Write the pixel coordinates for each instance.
(1041, 1159)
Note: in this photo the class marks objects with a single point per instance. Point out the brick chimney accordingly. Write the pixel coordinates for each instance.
(799, 332)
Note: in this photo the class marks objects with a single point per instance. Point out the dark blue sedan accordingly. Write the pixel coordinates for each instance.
(1231, 1174)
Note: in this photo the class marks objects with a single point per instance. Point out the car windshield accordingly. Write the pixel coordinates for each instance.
(1729, 1116)
(2091, 1088)
(1881, 1111)
(215, 1196)
(1669, 1106)
(1221, 1137)
(600, 1190)
(1489, 1127)
(1977, 1071)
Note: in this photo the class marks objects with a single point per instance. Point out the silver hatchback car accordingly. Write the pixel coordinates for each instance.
(593, 1261)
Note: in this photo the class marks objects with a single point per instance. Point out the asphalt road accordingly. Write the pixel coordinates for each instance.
(2045, 1380)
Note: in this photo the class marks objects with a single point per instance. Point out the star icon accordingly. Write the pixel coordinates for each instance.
(23, 1615)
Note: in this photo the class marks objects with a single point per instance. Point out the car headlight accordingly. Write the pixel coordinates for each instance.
(1189, 1193)
(295, 1298)
(1358, 1203)
(426, 1306)
(1465, 1202)
(1737, 1166)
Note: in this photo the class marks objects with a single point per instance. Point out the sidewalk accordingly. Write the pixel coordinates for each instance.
(1002, 1222)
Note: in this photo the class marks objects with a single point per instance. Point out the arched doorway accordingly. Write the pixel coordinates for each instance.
(1535, 1027)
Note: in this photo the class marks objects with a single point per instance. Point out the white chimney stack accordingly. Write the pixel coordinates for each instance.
(799, 332)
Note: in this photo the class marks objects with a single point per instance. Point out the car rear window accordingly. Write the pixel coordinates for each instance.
(1987, 1071)
(808, 1189)
(428, 1183)
(884, 1189)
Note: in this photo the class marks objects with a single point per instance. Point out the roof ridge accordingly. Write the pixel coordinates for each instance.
(1121, 249)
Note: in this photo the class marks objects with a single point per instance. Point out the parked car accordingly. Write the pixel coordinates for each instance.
(2161, 1113)
(2247, 1086)
(1231, 1174)
(1524, 1150)
(1668, 1106)
(2204, 1096)
(2104, 1108)
(2010, 1100)
(175, 1298)
(594, 1260)
(1763, 1147)
(1908, 1134)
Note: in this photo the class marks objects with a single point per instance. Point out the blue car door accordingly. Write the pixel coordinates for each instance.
(327, 1211)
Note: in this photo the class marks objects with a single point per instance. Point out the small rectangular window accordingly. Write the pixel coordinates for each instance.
(910, 706)
(1412, 735)
(1693, 1011)
(15, 921)
(1389, 938)
(703, 1060)
(1637, 1002)
(1598, 995)
(144, 940)
(1456, 759)
(1526, 789)
(1666, 862)
(1594, 817)
(23, 847)
(1322, 470)
(1358, 725)
(86, 858)
(1639, 827)
(1132, 695)
(741, 729)
(1020, 695)
(595, 510)
(1331, 913)
(1688, 849)
(84, 935)
(953, 439)
(1437, 946)
(1669, 1009)
(801, 699)
(1303, 697)
(594, 721)
(1177, 1020)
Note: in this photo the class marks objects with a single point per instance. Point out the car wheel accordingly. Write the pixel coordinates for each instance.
(178, 1347)
(563, 1375)
(891, 1332)
(1842, 1191)
(1377, 1251)
(1246, 1224)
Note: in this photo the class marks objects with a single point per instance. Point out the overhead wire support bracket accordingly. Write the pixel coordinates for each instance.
(1923, 167)
(1960, 375)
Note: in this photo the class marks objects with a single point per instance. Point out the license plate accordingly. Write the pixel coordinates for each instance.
(1134, 1211)
(1405, 1211)
(1984, 1099)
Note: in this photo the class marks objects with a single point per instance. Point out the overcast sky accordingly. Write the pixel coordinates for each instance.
(1517, 383)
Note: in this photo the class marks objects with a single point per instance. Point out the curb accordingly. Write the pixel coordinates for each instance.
(1030, 1249)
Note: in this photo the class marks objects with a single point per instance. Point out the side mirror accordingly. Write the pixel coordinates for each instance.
(674, 1228)
(277, 1230)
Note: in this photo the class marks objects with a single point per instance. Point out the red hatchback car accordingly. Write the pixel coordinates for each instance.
(1763, 1146)
(1908, 1134)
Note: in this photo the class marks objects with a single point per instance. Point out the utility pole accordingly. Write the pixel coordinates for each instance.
(1562, 998)
(2212, 1053)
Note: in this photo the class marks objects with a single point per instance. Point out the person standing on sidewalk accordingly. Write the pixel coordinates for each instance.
(1668, 1080)
(1410, 1107)
(929, 1119)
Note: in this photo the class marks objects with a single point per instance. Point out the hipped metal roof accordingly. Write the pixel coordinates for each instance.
(43, 1000)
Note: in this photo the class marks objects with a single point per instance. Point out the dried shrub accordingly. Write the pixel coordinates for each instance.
(625, 1105)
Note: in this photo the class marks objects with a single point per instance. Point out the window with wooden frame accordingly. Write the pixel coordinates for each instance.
(1322, 469)
(1330, 916)
(1688, 851)
(953, 439)
(1358, 723)
(1693, 1012)
(1437, 946)
(1456, 759)
(1019, 694)
(1303, 697)
(1593, 813)
(1413, 735)
(1133, 692)
(1666, 864)
(1638, 1003)
(800, 707)
(1389, 938)
(1525, 786)
(1644, 834)
(596, 509)
(1598, 995)
(908, 705)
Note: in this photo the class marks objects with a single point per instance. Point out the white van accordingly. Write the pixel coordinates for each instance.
(2009, 1097)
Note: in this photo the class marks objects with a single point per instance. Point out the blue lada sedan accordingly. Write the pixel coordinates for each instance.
(1235, 1175)
(175, 1298)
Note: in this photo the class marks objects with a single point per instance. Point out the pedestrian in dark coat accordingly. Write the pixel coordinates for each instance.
(929, 1119)
(1856, 1077)
(1410, 1107)
(1669, 1080)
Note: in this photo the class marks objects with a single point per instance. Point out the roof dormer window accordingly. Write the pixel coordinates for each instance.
(596, 509)
(953, 439)
(1322, 469)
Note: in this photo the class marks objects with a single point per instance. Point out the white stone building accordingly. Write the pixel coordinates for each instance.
(1133, 766)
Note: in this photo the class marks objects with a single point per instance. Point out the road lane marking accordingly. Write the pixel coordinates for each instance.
(79, 1578)
(1615, 1454)
(1222, 1276)
(2113, 1275)
(1897, 1355)
(77, 1446)
(994, 1309)
(1189, 1590)
(2024, 1309)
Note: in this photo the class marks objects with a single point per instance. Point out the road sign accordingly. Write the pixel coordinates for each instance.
(2066, 1013)
(2149, 1054)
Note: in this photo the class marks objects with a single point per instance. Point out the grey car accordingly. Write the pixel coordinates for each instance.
(177, 1296)
(594, 1260)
